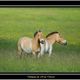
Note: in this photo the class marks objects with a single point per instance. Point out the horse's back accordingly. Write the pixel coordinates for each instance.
(25, 39)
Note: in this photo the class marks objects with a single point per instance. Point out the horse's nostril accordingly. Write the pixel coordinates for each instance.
(42, 41)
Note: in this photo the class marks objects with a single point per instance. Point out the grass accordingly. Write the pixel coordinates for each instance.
(19, 22)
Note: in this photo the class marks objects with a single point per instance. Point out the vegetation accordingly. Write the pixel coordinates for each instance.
(18, 22)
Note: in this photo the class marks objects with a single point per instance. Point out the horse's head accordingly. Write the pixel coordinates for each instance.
(39, 36)
(60, 39)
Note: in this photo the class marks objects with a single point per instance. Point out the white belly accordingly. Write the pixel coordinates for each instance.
(28, 50)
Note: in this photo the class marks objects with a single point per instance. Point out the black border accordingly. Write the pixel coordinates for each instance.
(39, 75)
(38, 3)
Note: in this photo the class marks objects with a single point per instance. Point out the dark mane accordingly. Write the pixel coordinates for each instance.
(51, 33)
(37, 32)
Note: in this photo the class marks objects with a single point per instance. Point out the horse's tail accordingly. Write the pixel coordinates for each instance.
(19, 49)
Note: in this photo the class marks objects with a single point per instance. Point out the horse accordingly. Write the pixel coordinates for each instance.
(31, 45)
(51, 38)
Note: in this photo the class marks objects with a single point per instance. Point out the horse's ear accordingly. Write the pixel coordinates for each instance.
(40, 31)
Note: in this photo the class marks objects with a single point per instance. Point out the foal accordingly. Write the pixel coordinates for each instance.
(30, 45)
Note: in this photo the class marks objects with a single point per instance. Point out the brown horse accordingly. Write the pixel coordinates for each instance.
(30, 45)
(51, 38)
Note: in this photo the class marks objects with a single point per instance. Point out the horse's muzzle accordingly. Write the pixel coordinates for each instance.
(65, 43)
(42, 41)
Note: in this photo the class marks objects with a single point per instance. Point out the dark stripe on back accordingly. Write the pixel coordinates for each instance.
(51, 33)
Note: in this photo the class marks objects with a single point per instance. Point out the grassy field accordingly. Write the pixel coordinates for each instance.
(19, 22)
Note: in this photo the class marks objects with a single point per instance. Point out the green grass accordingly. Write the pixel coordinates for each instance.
(19, 22)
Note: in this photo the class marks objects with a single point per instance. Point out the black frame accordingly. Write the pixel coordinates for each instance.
(39, 75)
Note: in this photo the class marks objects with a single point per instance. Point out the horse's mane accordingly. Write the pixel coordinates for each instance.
(51, 33)
(37, 32)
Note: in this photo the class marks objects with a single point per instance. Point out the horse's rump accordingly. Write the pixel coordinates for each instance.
(26, 44)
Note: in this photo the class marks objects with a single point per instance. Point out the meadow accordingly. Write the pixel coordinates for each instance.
(18, 22)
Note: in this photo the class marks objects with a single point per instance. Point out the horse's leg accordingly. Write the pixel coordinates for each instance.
(39, 54)
(19, 51)
(50, 50)
(20, 54)
(41, 50)
(34, 53)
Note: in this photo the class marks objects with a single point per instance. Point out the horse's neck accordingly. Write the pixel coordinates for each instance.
(50, 40)
(35, 44)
